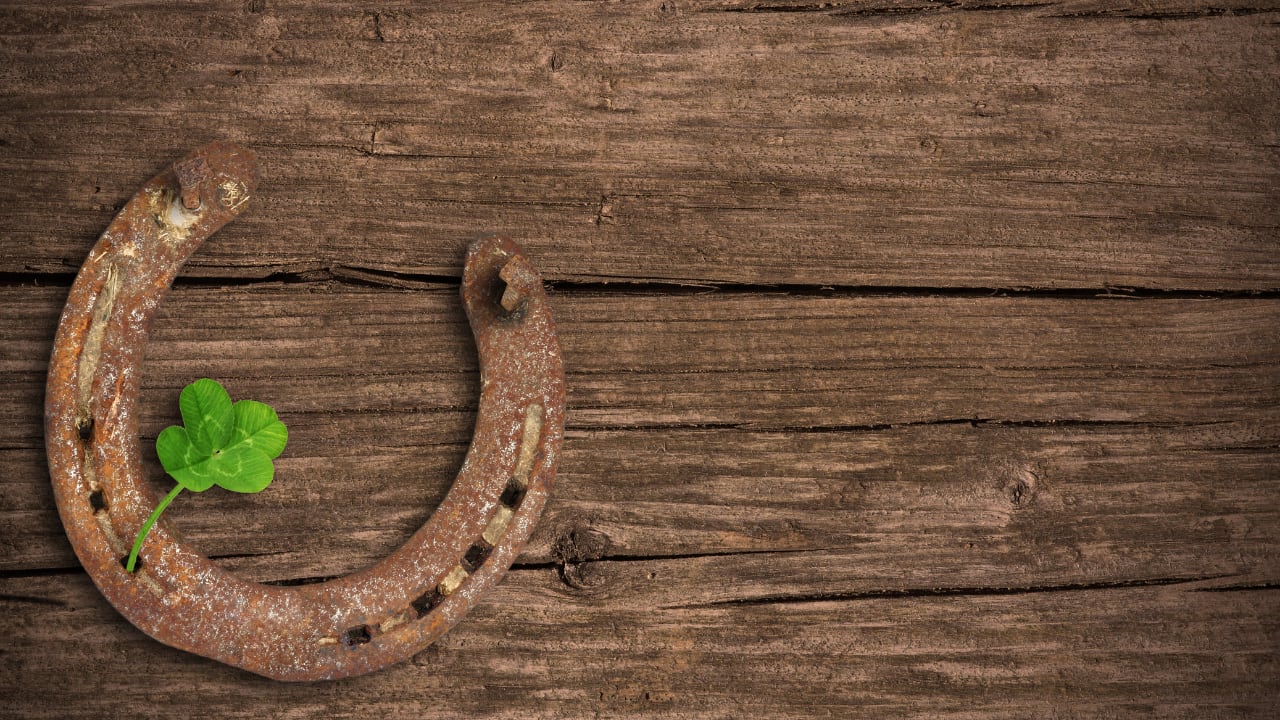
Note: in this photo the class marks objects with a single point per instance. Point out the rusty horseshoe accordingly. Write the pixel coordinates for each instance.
(347, 626)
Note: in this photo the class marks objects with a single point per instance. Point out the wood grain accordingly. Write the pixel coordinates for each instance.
(973, 507)
(922, 357)
(539, 650)
(703, 425)
(870, 144)
(757, 360)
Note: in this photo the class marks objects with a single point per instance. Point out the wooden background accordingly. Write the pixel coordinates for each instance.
(922, 356)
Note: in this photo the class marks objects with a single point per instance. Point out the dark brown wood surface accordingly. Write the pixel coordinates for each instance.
(923, 358)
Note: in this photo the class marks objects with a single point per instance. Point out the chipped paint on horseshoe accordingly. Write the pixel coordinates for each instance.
(347, 626)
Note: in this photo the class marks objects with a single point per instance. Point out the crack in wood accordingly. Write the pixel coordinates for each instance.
(940, 7)
(915, 593)
(1241, 588)
(624, 285)
(934, 7)
(836, 429)
(1195, 14)
(31, 600)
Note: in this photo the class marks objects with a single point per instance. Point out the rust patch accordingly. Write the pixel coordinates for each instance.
(334, 629)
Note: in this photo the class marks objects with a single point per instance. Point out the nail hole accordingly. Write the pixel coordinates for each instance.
(86, 429)
(476, 555)
(124, 563)
(512, 303)
(427, 602)
(97, 501)
(512, 495)
(358, 635)
(509, 302)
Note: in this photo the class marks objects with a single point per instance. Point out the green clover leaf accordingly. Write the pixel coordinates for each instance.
(222, 444)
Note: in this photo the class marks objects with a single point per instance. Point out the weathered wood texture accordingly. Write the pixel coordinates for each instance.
(1042, 146)
(539, 650)
(972, 409)
(809, 423)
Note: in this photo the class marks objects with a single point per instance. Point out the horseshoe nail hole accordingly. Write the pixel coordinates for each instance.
(358, 635)
(427, 602)
(514, 315)
(516, 278)
(137, 566)
(97, 501)
(476, 555)
(512, 303)
(513, 494)
(85, 428)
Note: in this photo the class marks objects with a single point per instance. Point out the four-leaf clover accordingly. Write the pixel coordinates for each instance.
(222, 444)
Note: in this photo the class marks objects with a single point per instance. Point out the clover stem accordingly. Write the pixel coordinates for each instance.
(146, 527)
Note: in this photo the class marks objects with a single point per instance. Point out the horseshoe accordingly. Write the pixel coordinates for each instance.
(347, 626)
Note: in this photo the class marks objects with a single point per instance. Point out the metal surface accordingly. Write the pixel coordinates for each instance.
(347, 626)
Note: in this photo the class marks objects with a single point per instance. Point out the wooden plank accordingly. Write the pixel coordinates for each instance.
(755, 360)
(869, 491)
(1075, 145)
(536, 649)
(1188, 426)
(794, 513)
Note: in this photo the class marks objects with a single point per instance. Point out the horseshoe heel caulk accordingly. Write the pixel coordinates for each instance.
(347, 626)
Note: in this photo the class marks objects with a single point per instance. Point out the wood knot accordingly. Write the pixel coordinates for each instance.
(1022, 487)
(579, 544)
(584, 576)
(574, 550)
